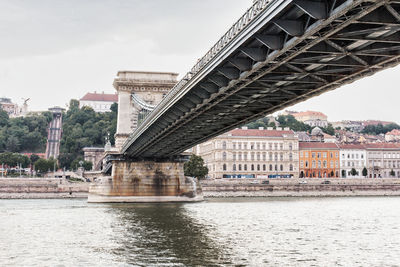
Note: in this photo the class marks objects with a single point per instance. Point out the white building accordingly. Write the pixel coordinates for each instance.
(383, 160)
(312, 118)
(99, 102)
(252, 153)
(352, 156)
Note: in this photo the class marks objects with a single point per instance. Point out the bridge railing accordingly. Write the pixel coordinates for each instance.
(248, 17)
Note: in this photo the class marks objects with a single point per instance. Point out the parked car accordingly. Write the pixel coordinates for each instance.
(265, 182)
(303, 182)
(254, 182)
(326, 182)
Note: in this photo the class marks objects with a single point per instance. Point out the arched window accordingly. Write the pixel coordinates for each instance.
(258, 167)
(281, 156)
(276, 156)
(224, 156)
(224, 167)
(245, 167)
(281, 167)
(224, 145)
(276, 167)
(306, 164)
(240, 167)
(325, 165)
(290, 156)
(264, 167)
(319, 165)
(234, 167)
(270, 167)
(291, 167)
(252, 167)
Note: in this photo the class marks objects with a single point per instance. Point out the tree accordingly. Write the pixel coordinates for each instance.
(392, 173)
(329, 129)
(45, 165)
(365, 172)
(195, 167)
(353, 172)
(34, 158)
(343, 173)
(3, 118)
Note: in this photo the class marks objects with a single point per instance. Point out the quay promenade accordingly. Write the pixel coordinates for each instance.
(47, 188)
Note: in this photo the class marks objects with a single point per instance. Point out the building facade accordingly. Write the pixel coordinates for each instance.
(383, 160)
(312, 118)
(99, 102)
(393, 136)
(251, 153)
(352, 156)
(8, 106)
(318, 160)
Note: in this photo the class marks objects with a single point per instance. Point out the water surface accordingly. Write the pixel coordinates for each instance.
(226, 232)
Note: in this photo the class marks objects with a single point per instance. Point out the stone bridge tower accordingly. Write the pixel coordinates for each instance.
(138, 91)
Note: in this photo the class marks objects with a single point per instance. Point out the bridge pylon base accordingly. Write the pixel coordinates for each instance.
(145, 181)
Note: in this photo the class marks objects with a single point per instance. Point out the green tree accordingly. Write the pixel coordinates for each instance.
(34, 158)
(353, 172)
(3, 118)
(329, 130)
(365, 172)
(195, 167)
(45, 165)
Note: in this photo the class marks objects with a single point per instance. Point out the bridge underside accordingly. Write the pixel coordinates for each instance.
(293, 51)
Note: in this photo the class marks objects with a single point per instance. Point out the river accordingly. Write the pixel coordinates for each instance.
(221, 232)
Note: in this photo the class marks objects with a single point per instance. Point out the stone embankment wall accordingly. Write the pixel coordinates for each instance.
(300, 187)
(41, 188)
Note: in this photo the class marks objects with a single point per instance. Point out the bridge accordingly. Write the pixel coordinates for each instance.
(279, 53)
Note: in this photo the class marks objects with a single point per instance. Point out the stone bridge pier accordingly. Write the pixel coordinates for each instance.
(142, 180)
(146, 181)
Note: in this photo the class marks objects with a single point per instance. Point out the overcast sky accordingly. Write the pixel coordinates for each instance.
(55, 50)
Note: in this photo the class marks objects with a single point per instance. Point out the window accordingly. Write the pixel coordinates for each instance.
(270, 167)
(258, 167)
(270, 146)
(319, 164)
(290, 156)
(264, 156)
(301, 164)
(258, 146)
(234, 167)
(281, 156)
(224, 156)
(234, 156)
(252, 155)
(252, 146)
(234, 145)
(276, 146)
(291, 167)
(245, 146)
(264, 167)
(276, 156)
(240, 156)
(325, 155)
(240, 145)
(306, 154)
(301, 153)
(306, 164)
(258, 156)
(281, 146)
(290, 146)
(270, 156)
(313, 163)
(313, 155)
(224, 167)
(281, 168)
(252, 167)
(245, 156)
(276, 167)
(325, 164)
(240, 167)
(319, 155)
(264, 146)
(245, 167)
(224, 145)
(331, 155)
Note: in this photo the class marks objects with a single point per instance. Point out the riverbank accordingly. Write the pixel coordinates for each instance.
(48, 188)
(41, 188)
(311, 187)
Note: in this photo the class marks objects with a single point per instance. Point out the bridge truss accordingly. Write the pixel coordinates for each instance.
(279, 53)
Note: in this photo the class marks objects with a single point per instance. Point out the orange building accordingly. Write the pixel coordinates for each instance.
(319, 160)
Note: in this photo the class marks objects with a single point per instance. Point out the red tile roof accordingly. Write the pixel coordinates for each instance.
(394, 132)
(352, 146)
(100, 97)
(260, 133)
(317, 145)
(310, 113)
(383, 146)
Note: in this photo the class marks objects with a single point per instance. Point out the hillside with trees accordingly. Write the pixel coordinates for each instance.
(24, 134)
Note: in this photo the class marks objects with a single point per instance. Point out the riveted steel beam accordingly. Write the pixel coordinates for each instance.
(316, 9)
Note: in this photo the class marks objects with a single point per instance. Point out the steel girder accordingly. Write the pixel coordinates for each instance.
(293, 51)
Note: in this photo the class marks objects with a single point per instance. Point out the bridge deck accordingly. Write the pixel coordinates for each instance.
(278, 54)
